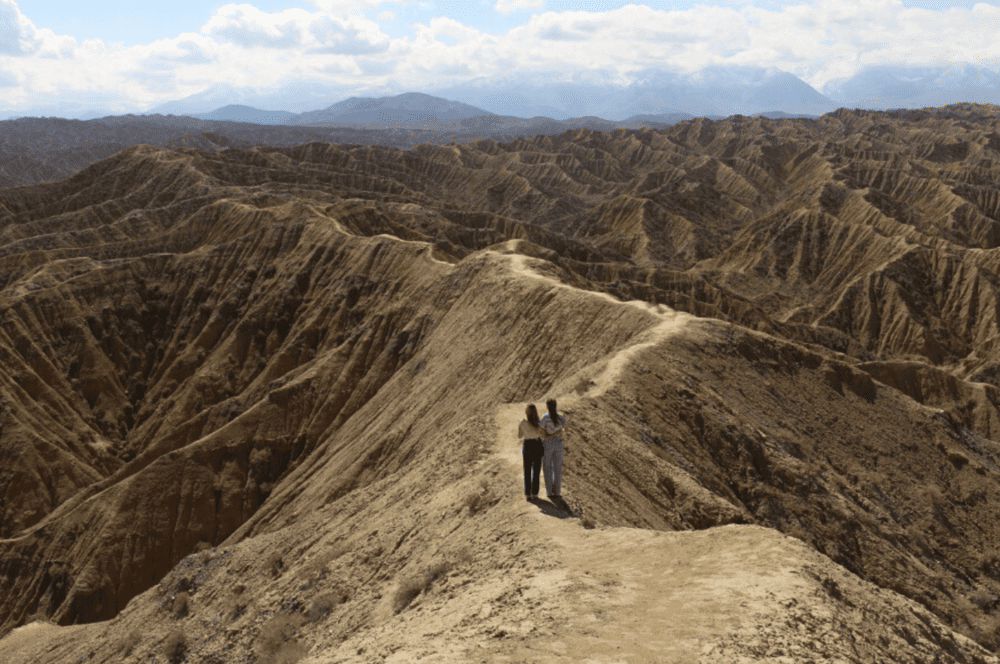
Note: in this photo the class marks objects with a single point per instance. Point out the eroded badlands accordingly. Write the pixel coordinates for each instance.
(283, 384)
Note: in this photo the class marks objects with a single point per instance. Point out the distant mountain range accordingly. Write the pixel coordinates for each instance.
(653, 96)
(713, 91)
(916, 87)
(240, 113)
(294, 97)
(416, 110)
(401, 109)
(411, 107)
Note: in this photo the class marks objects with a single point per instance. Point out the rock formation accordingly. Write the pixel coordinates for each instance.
(298, 371)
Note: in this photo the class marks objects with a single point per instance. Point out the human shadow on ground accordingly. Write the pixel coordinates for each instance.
(557, 508)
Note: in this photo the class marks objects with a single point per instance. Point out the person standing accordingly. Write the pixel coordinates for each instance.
(553, 423)
(531, 433)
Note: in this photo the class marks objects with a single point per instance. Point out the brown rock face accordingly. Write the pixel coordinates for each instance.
(216, 346)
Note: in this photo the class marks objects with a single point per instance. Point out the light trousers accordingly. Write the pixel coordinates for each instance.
(552, 467)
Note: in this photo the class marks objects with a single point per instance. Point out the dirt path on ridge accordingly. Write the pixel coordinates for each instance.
(633, 595)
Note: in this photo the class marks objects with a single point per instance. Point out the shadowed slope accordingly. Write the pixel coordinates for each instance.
(203, 385)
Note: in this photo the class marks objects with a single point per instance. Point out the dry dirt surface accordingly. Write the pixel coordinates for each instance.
(260, 405)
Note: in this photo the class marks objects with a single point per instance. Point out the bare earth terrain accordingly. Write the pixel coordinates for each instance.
(259, 404)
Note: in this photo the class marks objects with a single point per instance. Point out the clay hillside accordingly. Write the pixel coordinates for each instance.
(260, 405)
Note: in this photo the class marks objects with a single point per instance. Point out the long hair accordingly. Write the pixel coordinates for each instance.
(553, 414)
(532, 414)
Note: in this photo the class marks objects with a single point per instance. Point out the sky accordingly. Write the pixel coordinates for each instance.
(130, 56)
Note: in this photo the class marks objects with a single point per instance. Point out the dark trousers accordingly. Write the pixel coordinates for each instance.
(532, 451)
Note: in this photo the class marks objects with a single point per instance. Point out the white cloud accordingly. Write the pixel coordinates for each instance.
(447, 27)
(631, 37)
(55, 46)
(353, 7)
(352, 36)
(559, 33)
(508, 6)
(335, 44)
(817, 40)
(18, 35)
(154, 81)
(245, 25)
(830, 38)
(292, 29)
(339, 6)
(380, 67)
(189, 49)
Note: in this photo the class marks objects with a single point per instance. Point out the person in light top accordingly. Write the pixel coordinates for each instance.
(531, 433)
(553, 423)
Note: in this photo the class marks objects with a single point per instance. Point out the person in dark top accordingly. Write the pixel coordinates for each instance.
(531, 433)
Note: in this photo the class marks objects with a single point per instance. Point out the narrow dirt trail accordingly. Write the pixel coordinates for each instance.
(633, 595)
(671, 322)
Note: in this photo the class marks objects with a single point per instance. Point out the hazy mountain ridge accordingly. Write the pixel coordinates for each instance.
(717, 90)
(240, 113)
(914, 87)
(41, 149)
(391, 110)
(722, 90)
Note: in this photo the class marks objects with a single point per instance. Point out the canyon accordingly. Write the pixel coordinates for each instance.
(282, 383)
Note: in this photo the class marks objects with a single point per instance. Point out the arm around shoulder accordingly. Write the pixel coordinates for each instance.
(551, 428)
